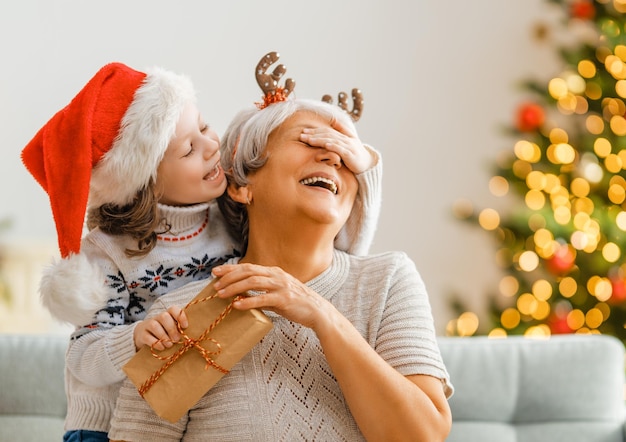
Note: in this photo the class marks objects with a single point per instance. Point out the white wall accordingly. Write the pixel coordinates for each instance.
(438, 79)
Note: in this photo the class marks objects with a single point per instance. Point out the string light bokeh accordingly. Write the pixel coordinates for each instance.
(562, 246)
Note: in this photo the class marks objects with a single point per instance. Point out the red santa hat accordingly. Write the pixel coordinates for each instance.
(106, 144)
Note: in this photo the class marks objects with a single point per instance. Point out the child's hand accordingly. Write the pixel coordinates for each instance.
(343, 142)
(161, 331)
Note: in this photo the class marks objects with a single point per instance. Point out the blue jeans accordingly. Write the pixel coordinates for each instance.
(85, 436)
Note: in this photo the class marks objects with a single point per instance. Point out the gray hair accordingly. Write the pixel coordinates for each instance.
(243, 150)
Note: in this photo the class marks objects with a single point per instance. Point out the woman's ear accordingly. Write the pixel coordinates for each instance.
(241, 194)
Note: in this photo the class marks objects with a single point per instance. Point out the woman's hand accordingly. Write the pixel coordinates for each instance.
(161, 331)
(343, 142)
(271, 289)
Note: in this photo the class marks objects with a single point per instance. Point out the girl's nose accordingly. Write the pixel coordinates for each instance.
(210, 147)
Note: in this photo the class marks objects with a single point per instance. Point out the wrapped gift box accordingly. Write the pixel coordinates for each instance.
(179, 377)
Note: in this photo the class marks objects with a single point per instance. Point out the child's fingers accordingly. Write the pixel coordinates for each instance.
(179, 315)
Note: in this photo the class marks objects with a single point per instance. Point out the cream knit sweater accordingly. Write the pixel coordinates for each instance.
(284, 390)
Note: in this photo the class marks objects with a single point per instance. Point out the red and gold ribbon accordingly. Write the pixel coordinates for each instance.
(188, 343)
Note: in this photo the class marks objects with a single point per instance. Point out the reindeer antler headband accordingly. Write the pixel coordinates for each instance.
(342, 98)
(273, 93)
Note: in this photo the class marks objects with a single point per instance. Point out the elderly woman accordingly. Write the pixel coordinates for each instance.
(352, 354)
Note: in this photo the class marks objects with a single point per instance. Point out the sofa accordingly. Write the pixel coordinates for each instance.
(566, 388)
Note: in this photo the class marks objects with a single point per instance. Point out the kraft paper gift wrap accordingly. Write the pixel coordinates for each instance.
(174, 387)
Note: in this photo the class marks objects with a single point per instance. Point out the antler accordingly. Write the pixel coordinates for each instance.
(268, 83)
(357, 99)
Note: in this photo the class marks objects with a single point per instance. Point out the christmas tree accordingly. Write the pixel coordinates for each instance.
(562, 246)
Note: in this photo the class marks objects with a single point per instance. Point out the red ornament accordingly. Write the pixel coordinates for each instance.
(530, 117)
(558, 325)
(583, 9)
(562, 261)
(618, 294)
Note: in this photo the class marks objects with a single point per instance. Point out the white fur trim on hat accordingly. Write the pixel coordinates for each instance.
(145, 132)
(73, 290)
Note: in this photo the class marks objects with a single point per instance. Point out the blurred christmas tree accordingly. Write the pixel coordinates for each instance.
(563, 250)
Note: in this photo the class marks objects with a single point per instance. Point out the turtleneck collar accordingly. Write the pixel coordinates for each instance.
(183, 220)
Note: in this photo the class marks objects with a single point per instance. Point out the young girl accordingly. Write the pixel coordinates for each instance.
(132, 151)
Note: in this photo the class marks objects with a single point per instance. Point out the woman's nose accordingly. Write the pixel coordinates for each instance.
(329, 157)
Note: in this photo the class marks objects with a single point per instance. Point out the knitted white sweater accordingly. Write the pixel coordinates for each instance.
(284, 389)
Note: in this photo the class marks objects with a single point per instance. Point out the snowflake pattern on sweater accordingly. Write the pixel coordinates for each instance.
(134, 284)
(142, 291)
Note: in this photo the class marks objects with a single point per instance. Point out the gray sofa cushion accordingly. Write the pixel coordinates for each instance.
(566, 388)
(32, 391)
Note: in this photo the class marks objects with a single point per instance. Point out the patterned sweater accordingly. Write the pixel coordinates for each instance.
(97, 352)
(284, 389)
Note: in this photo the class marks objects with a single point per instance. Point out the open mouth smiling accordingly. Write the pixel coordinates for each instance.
(214, 173)
(325, 183)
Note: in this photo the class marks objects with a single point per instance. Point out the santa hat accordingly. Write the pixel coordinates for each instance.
(106, 144)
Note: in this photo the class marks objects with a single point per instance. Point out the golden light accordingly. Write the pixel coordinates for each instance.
(527, 304)
(568, 287)
(579, 240)
(616, 194)
(583, 205)
(543, 238)
(489, 219)
(467, 324)
(616, 67)
(542, 290)
(542, 310)
(508, 286)
(510, 318)
(604, 308)
(498, 186)
(622, 156)
(562, 215)
(538, 331)
(527, 151)
(564, 153)
(552, 182)
(536, 180)
(557, 88)
(618, 125)
(575, 319)
(497, 333)
(528, 261)
(586, 68)
(613, 163)
(611, 252)
(580, 187)
(602, 147)
(575, 83)
(600, 287)
(620, 220)
(558, 135)
(535, 199)
(620, 88)
(594, 124)
(592, 171)
(567, 104)
(582, 220)
(594, 318)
